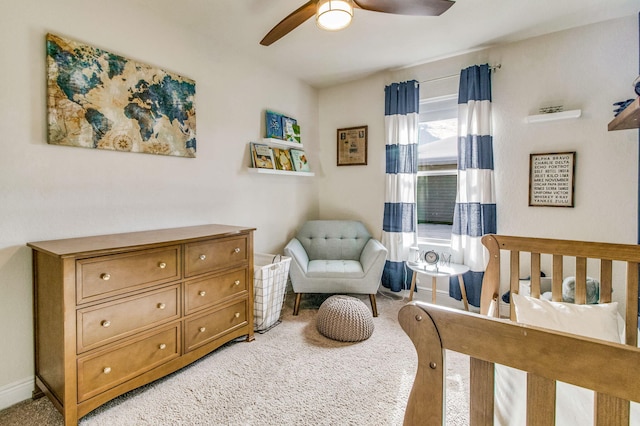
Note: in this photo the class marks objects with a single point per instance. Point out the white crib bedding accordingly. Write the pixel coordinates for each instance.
(574, 405)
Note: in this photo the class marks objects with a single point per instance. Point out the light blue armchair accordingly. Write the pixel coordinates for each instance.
(335, 256)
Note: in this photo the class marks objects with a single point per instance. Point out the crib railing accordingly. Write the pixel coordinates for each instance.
(610, 369)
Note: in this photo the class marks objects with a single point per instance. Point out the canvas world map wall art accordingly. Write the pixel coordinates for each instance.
(100, 100)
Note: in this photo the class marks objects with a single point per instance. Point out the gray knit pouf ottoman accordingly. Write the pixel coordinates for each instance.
(344, 318)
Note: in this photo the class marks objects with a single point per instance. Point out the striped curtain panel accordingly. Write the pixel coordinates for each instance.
(400, 221)
(475, 209)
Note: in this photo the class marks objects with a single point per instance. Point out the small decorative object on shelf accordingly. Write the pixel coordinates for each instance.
(551, 109)
(282, 159)
(620, 106)
(261, 156)
(287, 129)
(636, 85)
(273, 124)
(628, 118)
(296, 133)
(279, 126)
(286, 158)
(299, 159)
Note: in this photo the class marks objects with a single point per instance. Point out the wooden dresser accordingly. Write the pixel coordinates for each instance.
(115, 312)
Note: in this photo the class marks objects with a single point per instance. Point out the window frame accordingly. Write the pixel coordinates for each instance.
(441, 172)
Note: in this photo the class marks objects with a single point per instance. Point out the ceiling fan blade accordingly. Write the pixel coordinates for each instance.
(407, 7)
(289, 23)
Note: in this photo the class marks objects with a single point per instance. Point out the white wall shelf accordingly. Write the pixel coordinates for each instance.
(629, 118)
(562, 115)
(279, 172)
(281, 144)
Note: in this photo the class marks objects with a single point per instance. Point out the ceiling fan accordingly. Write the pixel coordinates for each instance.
(323, 8)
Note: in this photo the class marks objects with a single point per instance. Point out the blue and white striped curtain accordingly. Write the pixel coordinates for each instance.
(475, 209)
(400, 222)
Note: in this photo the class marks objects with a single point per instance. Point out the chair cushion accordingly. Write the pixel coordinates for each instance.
(335, 269)
(344, 318)
(333, 239)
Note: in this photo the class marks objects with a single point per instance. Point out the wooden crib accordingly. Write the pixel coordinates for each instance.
(612, 370)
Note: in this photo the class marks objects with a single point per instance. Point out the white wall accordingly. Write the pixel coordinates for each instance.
(586, 68)
(353, 192)
(50, 192)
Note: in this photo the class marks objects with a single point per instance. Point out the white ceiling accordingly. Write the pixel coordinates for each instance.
(377, 41)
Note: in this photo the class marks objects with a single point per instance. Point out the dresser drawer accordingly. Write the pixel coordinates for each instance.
(106, 322)
(106, 369)
(112, 275)
(207, 256)
(211, 326)
(204, 293)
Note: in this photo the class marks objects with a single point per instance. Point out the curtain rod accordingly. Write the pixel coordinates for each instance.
(491, 68)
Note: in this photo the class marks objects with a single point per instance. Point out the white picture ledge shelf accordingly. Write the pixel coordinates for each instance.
(562, 115)
(279, 172)
(281, 143)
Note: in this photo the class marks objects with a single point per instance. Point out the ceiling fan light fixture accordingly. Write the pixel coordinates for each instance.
(334, 15)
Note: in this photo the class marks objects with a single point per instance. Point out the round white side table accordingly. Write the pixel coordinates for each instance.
(435, 272)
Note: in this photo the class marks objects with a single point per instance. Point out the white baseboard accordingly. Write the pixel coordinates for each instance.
(16, 392)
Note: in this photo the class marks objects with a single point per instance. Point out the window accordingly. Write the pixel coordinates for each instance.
(437, 166)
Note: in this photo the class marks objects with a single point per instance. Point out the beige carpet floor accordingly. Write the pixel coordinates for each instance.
(290, 375)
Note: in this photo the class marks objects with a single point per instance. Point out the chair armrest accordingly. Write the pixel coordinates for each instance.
(372, 253)
(299, 255)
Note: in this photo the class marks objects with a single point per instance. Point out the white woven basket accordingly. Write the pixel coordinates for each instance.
(270, 274)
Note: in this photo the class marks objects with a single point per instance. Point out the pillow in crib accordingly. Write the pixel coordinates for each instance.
(595, 321)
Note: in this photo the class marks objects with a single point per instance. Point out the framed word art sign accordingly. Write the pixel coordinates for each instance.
(352, 146)
(551, 179)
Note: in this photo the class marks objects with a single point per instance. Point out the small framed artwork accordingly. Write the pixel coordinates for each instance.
(352, 146)
(552, 179)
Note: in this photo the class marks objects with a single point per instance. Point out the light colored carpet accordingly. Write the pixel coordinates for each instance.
(290, 375)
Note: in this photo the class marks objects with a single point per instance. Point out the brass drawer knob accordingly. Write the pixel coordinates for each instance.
(202, 293)
(162, 346)
(106, 370)
(162, 265)
(203, 256)
(202, 329)
(105, 323)
(105, 277)
(237, 250)
(161, 306)
(237, 282)
(237, 314)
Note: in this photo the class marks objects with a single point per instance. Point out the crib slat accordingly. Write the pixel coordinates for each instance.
(481, 385)
(631, 315)
(606, 273)
(535, 275)
(514, 279)
(610, 411)
(556, 286)
(541, 400)
(581, 281)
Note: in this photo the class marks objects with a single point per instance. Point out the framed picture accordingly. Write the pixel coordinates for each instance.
(352, 146)
(101, 100)
(551, 179)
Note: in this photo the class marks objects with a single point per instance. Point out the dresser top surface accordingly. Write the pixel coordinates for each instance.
(113, 242)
